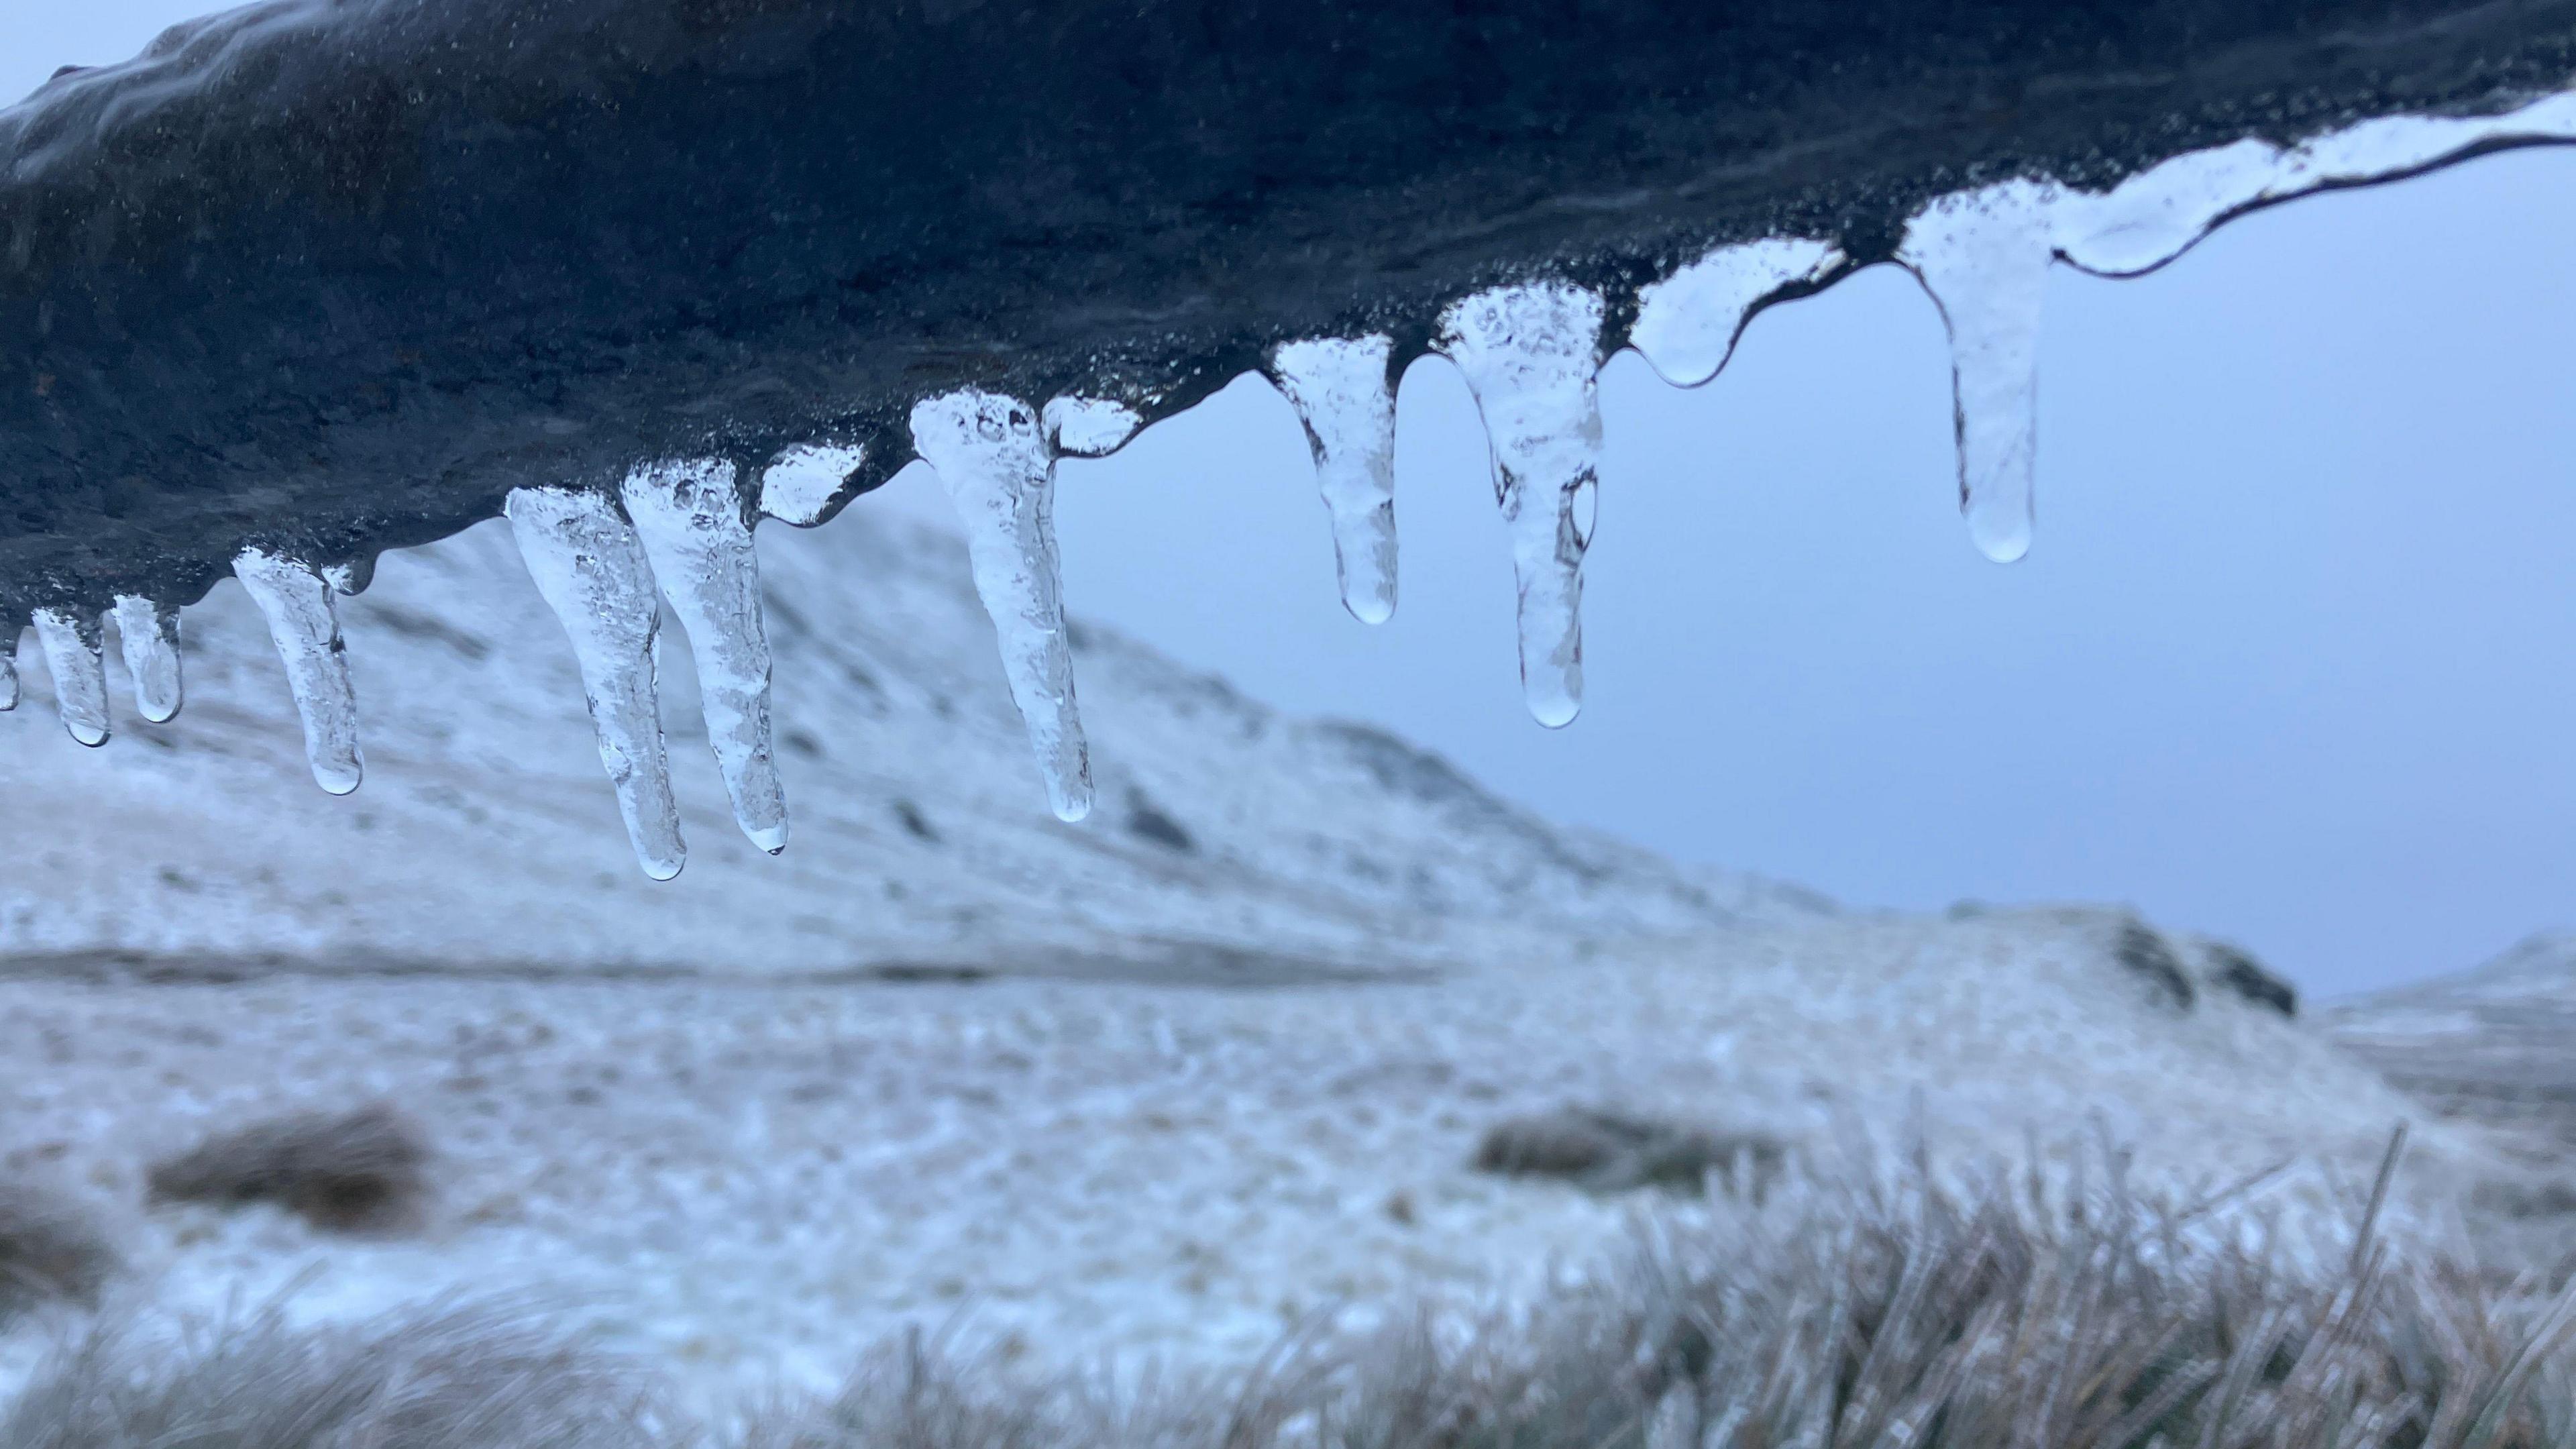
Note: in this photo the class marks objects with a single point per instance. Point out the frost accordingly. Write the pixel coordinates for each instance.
(1089, 427)
(999, 471)
(799, 484)
(74, 645)
(591, 570)
(1531, 355)
(1984, 256)
(1687, 324)
(689, 515)
(305, 625)
(150, 638)
(1343, 391)
(350, 576)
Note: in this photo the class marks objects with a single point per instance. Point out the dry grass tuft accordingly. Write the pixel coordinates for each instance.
(49, 1248)
(437, 1379)
(1616, 1152)
(363, 1170)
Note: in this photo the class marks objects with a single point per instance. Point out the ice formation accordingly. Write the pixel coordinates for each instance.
(1532, 355)
(1344, 392)
(149, 635)
(800, 484)
(1688, 323)
(995, 462)
(10, 631)
(591, 569)
(689, 514)
(1984, 255)
(1089, 427)
(305, 625)
(74, 648)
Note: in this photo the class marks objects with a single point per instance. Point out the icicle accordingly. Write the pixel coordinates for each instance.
(1344, 392)
(1531, 355)
(149, 635)
(305, 625)
(1984, 256)
(1089, 427)
(689, 514)
(10, 631)
(998, 470)
(591, 570)
(799, 484)
(75, 652)
(1688, 323)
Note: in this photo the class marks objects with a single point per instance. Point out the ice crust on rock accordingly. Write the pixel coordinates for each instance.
(590, 568)
(1532, 356)
(304, 623)
(993, 457)
(149, 638)
(1688, 323)
(11, 630)
(1984, 255)
(1089, 427)
(799, 485)
(1343, 391)
(689, 514)
(75, 654)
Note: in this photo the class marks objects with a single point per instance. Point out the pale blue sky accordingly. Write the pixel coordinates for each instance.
(2293, 659)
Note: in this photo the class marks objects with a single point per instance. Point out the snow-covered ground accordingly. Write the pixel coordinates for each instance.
(1225, 1056)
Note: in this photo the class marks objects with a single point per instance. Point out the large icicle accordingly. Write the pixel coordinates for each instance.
(1984, 255)
(689, 514)
(993, 458)
(149, 635)
(1532, 355)
(304, 622)
(591, 570)
(75, 649)
(1344, 392)
(11, 628)
(1687, 324)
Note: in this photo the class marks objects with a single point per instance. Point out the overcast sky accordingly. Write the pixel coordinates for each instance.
(2293, 659)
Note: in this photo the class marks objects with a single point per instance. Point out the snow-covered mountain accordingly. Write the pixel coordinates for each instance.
(486, 838)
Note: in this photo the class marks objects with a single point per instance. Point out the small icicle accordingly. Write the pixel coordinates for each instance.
(799, 484)
(689, 514)
(1531, 355)
(150, 638)
(304, 623)
(10, 631)
(1089, 427)
(1983, 256)
(1344, 393)
(75, 650)
(1687, 324)
(994, 460)
(591, 570)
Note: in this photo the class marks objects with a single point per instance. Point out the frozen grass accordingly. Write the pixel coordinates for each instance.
(49, 1248)
(1994, 1316)
(357, 1171)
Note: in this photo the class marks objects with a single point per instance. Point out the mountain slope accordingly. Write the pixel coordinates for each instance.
(485, 836)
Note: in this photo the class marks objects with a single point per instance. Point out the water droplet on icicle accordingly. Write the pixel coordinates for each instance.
(304, 623)
(149, 635)
(799, 484)
(74, 649)
(1532, 355)
(10, 630)
(591, 570)
(689, 514)
(998, 470)
(1984, 256)
(1344, 394)
(1687, 324)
